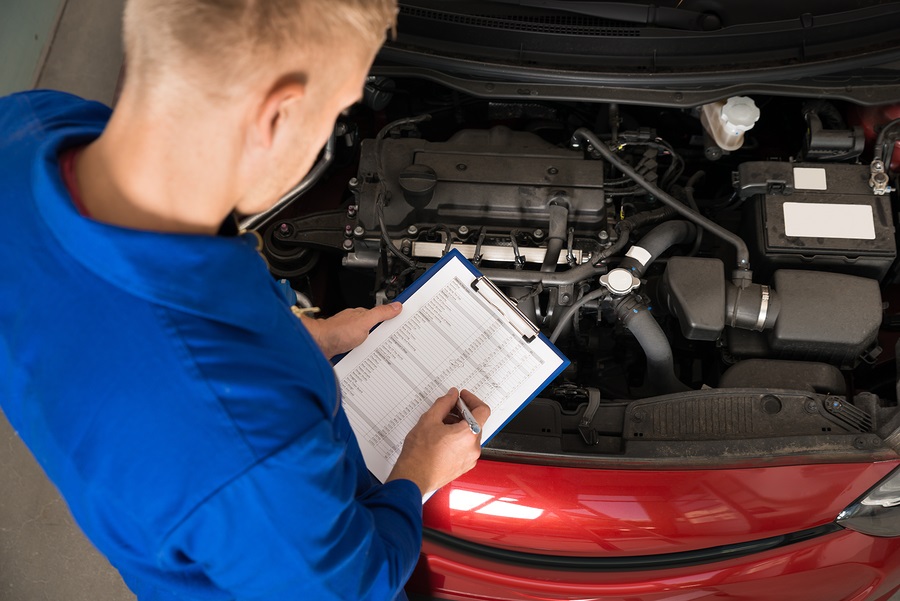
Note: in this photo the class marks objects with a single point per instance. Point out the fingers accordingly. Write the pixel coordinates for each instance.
(435, 452)
(441, 407)
(447, 403)
(382, 313)
(480, 410)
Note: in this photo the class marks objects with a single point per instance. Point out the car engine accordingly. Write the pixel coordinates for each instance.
(663, 257)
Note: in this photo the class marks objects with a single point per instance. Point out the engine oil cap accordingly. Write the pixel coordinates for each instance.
(418, 183)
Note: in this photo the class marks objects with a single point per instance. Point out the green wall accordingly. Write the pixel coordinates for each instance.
(26, 26)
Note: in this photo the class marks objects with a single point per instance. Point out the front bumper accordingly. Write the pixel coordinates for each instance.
(838, 566)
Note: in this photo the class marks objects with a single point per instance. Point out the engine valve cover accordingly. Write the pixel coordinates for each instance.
(496, 178)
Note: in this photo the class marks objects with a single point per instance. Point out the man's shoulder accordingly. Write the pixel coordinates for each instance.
(50, 102)
(36, 113)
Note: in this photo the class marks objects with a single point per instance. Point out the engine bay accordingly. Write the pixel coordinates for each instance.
(718, 292)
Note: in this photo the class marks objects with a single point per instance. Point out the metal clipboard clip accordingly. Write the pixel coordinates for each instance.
(506, 306)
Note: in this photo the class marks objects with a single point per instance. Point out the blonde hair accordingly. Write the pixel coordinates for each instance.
(228, 39)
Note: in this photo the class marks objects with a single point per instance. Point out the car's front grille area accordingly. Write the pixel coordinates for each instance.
(557, 25)
(719, 416)
(736, 414)
(641, 562)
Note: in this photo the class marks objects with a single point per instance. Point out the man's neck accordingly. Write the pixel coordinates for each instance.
(136, 174)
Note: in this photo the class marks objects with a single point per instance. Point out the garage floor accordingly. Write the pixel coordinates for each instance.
(43, 554)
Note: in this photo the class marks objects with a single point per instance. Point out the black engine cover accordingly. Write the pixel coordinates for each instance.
(497, 178)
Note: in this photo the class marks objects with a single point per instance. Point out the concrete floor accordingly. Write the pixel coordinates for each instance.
(43, 553)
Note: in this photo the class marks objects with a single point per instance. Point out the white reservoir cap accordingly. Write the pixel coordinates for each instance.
(619, 281)
(739, 114)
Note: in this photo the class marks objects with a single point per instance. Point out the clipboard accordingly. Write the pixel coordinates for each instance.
(498, 298)
(477, 318)
(483, 286)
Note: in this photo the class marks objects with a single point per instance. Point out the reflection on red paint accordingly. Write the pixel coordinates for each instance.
(843, 566)
(587, 512)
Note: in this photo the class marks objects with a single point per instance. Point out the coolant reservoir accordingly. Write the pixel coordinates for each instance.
(727, 120)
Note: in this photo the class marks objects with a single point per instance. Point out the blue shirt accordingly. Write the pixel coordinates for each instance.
(187, 417)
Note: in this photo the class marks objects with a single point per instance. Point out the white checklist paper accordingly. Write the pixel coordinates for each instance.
(448, 335)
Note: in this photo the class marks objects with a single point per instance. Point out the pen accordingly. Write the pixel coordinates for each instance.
(467, 415)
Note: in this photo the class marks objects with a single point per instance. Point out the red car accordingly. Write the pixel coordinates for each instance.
(697, 202)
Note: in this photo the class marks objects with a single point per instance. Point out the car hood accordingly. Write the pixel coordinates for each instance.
(682, 55)
(622, 513)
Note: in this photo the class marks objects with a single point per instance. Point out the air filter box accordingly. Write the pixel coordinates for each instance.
(816, 216)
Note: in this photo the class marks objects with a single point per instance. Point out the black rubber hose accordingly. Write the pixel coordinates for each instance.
(881, 142)
(827, 112)
(381, 199)
(742, 273)
(567, 315)
(692, 202)
(556, 237)
(660, 375)
(551, 258)
(639, 220)
(657, 241)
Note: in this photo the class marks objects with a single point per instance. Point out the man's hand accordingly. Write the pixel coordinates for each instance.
(436, 452)
(348, 329)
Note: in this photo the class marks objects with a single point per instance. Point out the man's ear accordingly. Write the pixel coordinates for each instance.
(275, 107)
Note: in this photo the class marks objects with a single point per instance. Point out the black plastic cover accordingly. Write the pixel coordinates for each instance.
(695, 288)
(829, 317)
(772, 184)
(496, 178)
(789, 375)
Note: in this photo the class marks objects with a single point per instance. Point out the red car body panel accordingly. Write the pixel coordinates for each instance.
(842, 566)
(609, 513)
(605, 513)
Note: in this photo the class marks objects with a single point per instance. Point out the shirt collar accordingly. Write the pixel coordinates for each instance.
(222, 278)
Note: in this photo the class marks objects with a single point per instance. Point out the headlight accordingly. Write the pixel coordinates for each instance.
(878, 511)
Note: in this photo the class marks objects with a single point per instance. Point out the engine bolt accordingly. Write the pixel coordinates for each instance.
(412, 230)
(353, 183)
(285, 230)
(604, 235)
(359, 231)
(811, 407)
(552, 171)
(859, 442)
(538, 234)
(461, 167)
(348, 244)
(352, 210)
(348, 230)
(463, 230)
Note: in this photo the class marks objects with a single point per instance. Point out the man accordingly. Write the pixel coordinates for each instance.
(192, 423)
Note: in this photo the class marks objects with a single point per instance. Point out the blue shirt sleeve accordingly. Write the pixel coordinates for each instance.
(291, 527)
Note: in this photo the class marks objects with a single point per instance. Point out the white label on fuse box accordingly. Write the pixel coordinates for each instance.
(819, 220)
(810, 178)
